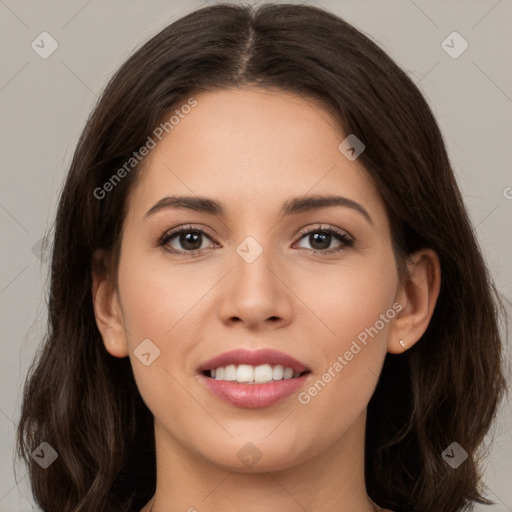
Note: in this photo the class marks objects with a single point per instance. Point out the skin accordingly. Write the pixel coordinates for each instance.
(253, 149)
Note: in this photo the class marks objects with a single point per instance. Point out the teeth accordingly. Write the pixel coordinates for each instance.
(230, 372)
(244, 373)
(253, 374)
(262, 373)
(288, 373)
(277, 372)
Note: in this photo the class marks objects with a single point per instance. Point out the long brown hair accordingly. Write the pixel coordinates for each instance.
(446, 388)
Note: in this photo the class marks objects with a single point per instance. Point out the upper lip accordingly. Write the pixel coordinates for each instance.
(253, 358)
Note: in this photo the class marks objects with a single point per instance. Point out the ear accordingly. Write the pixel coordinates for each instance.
(418, 297)
(107, 306)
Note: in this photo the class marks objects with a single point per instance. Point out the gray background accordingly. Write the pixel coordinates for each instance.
(44, 104)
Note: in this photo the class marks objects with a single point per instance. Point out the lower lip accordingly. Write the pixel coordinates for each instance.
(254, 396)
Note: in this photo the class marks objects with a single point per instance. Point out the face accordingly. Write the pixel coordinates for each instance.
(317, 284)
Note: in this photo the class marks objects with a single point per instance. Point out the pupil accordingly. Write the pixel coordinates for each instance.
(324, 240)
(189, 240)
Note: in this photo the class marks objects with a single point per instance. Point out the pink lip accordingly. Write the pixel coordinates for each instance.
(254, 358)
(253, 395)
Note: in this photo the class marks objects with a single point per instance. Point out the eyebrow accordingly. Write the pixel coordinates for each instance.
(292, 206)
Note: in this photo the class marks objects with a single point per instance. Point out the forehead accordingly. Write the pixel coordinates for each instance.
(253, 148)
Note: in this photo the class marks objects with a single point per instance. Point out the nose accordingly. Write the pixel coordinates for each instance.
(256, 294)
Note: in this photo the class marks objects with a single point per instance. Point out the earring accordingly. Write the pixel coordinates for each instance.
(402, 343)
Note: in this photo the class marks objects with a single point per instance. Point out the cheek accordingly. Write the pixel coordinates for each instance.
(350, 298)
(153, 302)
(156, 295)
(356, 316)
(162, 302)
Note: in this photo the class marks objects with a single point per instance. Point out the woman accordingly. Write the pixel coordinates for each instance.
(265, 293)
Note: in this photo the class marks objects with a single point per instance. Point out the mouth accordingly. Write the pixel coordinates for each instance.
(253, 366)
(253, 379)
(247, 374)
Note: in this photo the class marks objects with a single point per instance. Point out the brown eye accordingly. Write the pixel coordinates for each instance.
(185, 240)
(320, 240)
(190, 241)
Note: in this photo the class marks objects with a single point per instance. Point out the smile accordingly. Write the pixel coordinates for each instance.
(253, 378)
(253, 374)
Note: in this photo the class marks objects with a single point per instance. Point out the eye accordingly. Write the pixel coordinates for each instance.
(188, 237)
(191, 240)
(321, 238)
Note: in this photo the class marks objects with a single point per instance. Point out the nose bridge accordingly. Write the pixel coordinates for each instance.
(254, 263)
(254, 292)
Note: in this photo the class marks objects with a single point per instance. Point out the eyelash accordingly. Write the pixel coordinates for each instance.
(347, 242)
